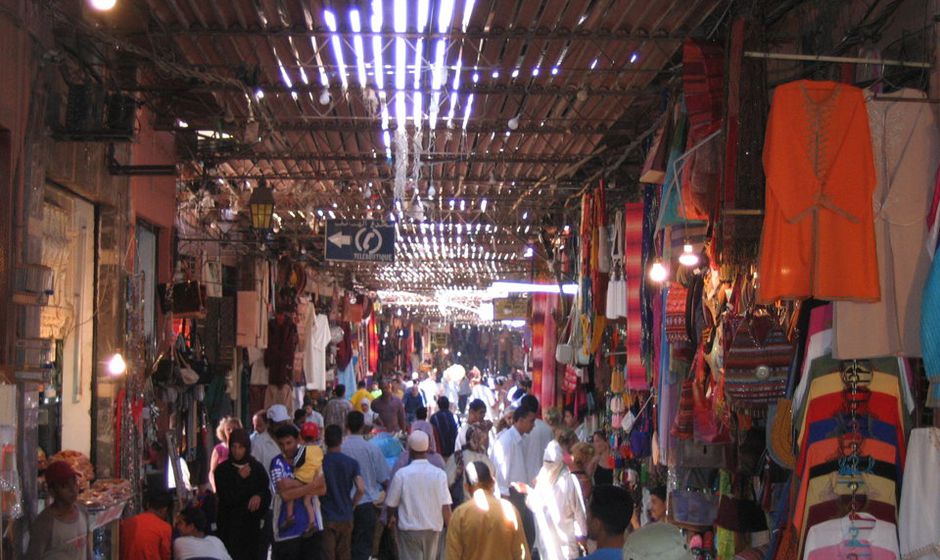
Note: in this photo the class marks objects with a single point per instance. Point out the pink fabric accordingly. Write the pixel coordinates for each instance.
(843, 552)
(221, 451)
(933, 224)
(633, 267)
(543, 348)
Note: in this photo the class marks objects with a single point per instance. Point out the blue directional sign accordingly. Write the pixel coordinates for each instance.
(360, 241)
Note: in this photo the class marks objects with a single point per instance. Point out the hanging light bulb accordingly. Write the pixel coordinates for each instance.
(325, 97)
(513, 123)
(688, 256)
(103, 5)
(117, 365)
(658, 272)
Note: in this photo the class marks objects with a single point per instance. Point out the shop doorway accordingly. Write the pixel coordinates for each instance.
(69, 250)
(146, 270)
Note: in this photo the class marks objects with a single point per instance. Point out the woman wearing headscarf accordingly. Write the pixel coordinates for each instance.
(244, 495)
(558, 507)
(475, 449)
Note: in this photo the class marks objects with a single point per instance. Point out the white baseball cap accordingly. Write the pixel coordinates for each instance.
(278, 413)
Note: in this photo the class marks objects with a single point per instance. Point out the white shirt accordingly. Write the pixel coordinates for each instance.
(419, 491)
(318, 338)
(196, 547)
(259, 372)
(486, 395)
(879, 533)
(508, 456)
(533, 446)
(428, 389)
(461, 436)
(265, 449)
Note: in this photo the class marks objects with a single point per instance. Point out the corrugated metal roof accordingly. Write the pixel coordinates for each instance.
(579, 75)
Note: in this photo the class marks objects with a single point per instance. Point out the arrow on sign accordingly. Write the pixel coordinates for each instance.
(340, 239)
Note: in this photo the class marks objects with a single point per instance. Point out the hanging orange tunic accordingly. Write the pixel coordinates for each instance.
(818, 238)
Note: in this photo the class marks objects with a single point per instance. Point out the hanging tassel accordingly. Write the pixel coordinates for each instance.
(417, 149)
(401, 165)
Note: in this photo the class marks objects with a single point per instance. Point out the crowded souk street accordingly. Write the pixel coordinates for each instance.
(469, 280)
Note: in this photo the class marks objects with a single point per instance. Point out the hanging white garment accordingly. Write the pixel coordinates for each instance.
(919, 512)
(318, 338)
(259, 372)
(906, 149)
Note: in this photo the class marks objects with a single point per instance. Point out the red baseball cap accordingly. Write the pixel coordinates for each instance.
(310, 430)
(59, 473)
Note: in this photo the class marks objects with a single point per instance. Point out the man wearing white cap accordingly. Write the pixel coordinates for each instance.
(419, 503)
(264, 448)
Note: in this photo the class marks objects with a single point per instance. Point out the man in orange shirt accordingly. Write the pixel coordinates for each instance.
(148, 536)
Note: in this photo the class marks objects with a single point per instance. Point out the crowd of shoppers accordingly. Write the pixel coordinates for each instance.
(374, 476)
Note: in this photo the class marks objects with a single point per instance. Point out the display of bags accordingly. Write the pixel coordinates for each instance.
(616, 410)
(616, 379)
(571, 379)
(757, 362)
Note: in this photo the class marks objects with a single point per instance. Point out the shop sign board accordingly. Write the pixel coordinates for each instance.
(439, 340)
(510, 308)
(359, 241)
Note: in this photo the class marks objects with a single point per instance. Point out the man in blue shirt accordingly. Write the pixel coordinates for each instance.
(412, 401)
(608, 518)
(374, 471)
(292, 543)
(446, 425)
(342, 478)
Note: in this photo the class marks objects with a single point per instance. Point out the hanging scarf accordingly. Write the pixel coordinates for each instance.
(633, 269)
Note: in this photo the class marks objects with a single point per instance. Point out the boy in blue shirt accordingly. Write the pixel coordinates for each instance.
(342, 477)
(608, 518)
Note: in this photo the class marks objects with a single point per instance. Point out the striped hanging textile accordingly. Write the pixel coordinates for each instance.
(633, 267)
(373, 344)
(599, 278)
(647, 290)
(537, 324)
(703, 90)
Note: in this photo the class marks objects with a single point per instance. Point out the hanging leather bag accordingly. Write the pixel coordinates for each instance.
(757, 364)
(694, 454)
(741, 515)
(166, 370)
